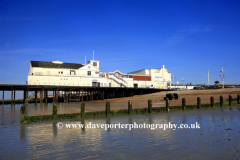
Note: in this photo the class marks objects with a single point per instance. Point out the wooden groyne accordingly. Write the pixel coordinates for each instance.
(129, 110)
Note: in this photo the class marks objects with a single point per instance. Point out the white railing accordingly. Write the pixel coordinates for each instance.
(70, 84)
(118, 80)
(65, 75)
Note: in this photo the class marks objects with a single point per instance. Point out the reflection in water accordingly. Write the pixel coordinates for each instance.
(217, 138)
(22, 132)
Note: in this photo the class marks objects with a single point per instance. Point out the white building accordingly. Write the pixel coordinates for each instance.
(71, 74)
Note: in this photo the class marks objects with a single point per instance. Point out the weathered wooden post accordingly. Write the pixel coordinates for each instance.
(82, 109)
(129, 107)
(3, 96)
(230, 99)
(198, 102)
(22, 111)
(238, 99)
(183, 103)
(167, 104)
(107, 108)
(221, 101)
(26, 102)
(149, 106)
(212, 101)
(54, 111)
(41, 100)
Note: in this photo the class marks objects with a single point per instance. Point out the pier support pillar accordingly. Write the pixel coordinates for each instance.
(14, 96)
(11, 97)
(3, 97)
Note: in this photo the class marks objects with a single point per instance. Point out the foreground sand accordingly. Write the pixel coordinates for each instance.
(140, 101)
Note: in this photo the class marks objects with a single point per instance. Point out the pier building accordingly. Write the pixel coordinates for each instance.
(59, 73)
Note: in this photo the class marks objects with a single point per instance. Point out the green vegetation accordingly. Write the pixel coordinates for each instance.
(216, 82)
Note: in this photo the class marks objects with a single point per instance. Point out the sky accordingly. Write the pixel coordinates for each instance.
(188, 37)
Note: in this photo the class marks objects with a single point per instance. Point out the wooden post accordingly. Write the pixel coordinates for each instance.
(82, 109)
(11, 97)
(198, 102)
(41, 97)
(14, 96)
(56, 95)
(26, 102)
(167, 104)
(24, 95)
(238, 99)
(79, 95)
(46, 96)
(129, 107)
(221, 101)
(22, 111)
(149, 106)
(212, 101)
(107, 108)
(35, 94)
(54, 111)
(82, 95)
(3, 97)
(230, 99)
(183, 103)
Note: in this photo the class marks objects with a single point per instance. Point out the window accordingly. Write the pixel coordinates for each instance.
(61, 72)
(72, 72)
(89, 73)
(94, 63)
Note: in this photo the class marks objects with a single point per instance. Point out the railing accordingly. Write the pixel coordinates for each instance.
(70, 84)
(82, 84)
(66, 75)
(118, 80)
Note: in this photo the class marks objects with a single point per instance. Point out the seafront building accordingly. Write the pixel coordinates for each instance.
(72, 74)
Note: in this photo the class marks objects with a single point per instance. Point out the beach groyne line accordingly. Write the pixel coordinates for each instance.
(127, 111)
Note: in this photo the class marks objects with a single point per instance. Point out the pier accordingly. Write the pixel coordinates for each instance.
(74, 93)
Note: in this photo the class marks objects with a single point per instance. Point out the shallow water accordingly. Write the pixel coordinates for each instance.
(217, 138)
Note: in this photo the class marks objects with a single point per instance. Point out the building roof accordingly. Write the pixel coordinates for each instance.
(55, 65)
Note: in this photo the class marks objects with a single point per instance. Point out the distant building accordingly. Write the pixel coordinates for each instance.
(72, 74)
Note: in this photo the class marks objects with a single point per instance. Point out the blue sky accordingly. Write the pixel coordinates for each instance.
(188, 37)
